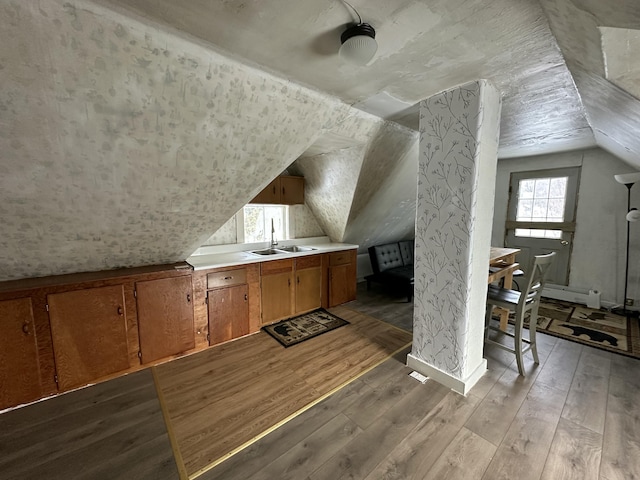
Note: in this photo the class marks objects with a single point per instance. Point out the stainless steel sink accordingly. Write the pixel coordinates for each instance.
(295, 248)
(268, 251)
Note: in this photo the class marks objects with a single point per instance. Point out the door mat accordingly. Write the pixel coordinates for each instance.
(303, 327)
(597, 328)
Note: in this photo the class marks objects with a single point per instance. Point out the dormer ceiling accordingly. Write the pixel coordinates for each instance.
(546, 58)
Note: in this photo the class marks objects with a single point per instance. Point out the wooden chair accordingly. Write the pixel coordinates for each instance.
(521, 302)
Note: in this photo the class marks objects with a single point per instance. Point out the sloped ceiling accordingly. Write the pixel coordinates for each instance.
(131, 130)
(123, 145)
(364, 194)
(528, 49)
(613, 113)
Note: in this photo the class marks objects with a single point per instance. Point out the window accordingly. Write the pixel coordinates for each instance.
(541, 200)
(255, 223)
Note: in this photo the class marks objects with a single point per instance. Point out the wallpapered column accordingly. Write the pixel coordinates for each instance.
(456, 188)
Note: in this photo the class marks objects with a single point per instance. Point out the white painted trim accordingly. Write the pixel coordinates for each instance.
(457, 385)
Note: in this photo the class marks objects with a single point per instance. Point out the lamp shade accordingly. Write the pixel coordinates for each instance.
(628, 178)
(358, 44)
(633, 215)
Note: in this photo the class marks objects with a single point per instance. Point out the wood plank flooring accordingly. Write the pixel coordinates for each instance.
(574, 416)
(107, 431)
(220, 399)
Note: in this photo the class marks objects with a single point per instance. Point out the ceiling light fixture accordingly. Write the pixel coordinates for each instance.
(358, 42)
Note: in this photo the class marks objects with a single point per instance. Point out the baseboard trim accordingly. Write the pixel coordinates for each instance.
(461, 386)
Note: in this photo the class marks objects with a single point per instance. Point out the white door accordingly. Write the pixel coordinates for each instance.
(541, 217)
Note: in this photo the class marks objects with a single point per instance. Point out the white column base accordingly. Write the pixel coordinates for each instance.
(457, 385)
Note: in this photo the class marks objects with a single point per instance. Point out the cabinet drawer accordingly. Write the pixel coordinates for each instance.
(227, 278)
(308, 262)
(275, 267)
(339, 258)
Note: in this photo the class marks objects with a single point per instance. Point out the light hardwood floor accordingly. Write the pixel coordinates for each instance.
(222, 398)
(575, 416)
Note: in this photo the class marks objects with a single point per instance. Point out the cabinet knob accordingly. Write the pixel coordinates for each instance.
(283, 191)
(246, 297)
(120, 311)
(274, 189)
(188, 298)
(25, 328)
(298, 280)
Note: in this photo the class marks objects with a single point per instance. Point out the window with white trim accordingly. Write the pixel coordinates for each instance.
(254, 223)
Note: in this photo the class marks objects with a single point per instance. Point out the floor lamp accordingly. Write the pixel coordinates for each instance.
(633, 215)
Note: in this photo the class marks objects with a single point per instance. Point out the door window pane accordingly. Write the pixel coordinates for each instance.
(558, 187)
(541, 200)
(526, 188)
(541, 189)
(525, 209)
(539, 233)
(540, 210)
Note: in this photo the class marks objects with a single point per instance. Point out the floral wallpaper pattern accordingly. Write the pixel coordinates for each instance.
(365, 194)
(124, 144)
(447, 228)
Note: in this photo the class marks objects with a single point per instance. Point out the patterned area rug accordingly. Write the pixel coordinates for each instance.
(598, 328)
(298, 329)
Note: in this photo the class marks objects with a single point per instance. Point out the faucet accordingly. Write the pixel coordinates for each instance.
(274, 242)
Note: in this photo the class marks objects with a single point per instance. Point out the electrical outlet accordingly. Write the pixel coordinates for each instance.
(629, 302)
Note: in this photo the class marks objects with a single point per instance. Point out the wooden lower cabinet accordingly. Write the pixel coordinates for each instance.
(342, 277)
(228, 309)
(276, 290)
(165, 317)
(19, 366)
(89, 330)
(308, 283)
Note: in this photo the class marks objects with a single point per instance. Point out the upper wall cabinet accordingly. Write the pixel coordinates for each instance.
(283, 190)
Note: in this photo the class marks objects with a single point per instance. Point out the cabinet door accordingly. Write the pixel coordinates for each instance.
(228, 313)
(165, 317)
(271, 193)
(342, 277)
(89, 330)
(308, 288)
(276, 293)
(19, 368)
(339, 285)
(291, 190)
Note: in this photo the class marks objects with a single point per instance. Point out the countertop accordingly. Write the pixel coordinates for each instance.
(213, 259)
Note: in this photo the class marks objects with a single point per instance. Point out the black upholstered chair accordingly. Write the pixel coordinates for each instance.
(526, 300)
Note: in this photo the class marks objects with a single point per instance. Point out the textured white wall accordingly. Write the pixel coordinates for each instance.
(597, 258)
(125, 144)
(458, 155)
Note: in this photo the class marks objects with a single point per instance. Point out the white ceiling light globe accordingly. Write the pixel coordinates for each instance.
(358, 44)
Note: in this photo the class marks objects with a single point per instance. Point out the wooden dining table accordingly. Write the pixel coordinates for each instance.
(502, 264)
